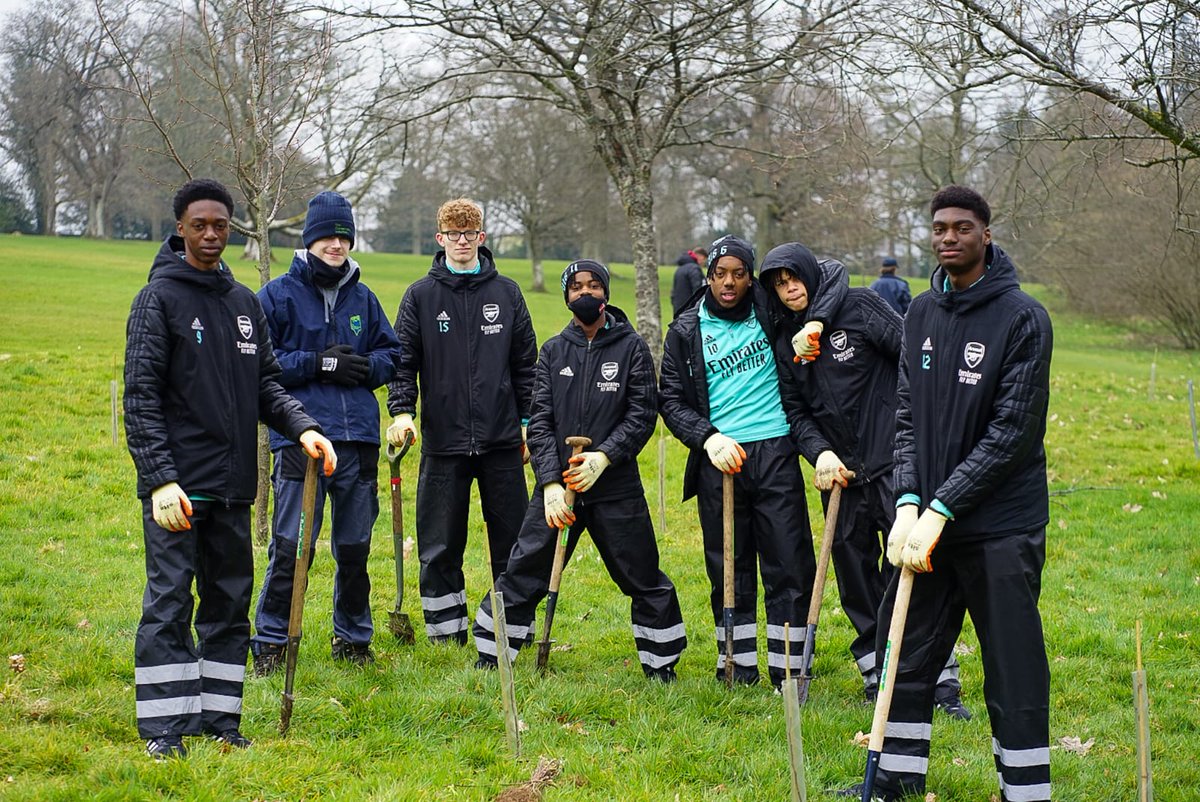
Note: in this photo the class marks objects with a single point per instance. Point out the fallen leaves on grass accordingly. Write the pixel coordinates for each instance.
(84, 624)
(575, 727)
(1131, 507)
(16, 662)
(407, 548)
(1158, 495)
(1073, 744)
(861, 738)
(562, 647)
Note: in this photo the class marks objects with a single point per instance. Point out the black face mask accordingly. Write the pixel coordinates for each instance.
(587, 308)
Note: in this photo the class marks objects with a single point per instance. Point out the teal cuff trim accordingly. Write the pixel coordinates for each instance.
(909, 498)
(941, 508)
(524, 421)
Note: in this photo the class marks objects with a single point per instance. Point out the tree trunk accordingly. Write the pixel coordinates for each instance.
(262, 521)
(638, 200)
(97, 214)
(416, 229)
(534, 245)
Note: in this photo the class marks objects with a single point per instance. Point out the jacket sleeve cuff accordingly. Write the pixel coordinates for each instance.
(908, 498)
(941, 509)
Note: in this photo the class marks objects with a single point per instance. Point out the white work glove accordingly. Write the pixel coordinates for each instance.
(725, 453)
(558, 512)
(906, 519)
(587, 469)
(171, 507)
(400, 424)
(921, 540)
(829, 469)
(317, 445)
(807, 342)
(524, 445)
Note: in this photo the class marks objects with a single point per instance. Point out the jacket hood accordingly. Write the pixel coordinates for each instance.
(487, 270)
(1001, 276)
(619, 328)
(169, 263)
(302, 270)
(686, 257)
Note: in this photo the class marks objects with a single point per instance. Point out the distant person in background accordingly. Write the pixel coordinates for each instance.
(892, 288)
(689, 277)
(199, 376)
(335, 345)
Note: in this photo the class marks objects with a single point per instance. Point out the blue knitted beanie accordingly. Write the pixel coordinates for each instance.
(329, 215)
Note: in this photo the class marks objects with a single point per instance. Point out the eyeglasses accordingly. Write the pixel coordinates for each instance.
(455, 236)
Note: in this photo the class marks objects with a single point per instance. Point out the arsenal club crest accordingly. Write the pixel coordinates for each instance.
(973, 354)
(491, 312)
(838, 340)
(244, 326)
(609, 370)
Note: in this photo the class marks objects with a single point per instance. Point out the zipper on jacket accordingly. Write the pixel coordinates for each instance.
(472, 446)
(587, 358)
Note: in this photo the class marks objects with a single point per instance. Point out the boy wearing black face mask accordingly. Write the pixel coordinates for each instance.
(335, 345)
(595, 380)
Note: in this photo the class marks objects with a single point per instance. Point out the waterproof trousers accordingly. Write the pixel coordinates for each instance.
(771, 534)
(353, 496)
(443, 498)
(187, 687)
(865, 517)
(998, 582)
(624, 537)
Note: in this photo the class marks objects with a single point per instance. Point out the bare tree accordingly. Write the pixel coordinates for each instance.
(636, 75)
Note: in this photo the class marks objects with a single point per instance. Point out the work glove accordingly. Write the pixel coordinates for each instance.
(587, 469)
(317, 445)
(401, 428)
(807, 342)
(171, 507)
(921, 541)
(524, 445)
(341, 365)
(906, 519)
(829, 469)
(558, 512)
(725, 453)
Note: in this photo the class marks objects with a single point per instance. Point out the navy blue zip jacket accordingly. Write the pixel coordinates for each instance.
(604, 390)
(973, 392)
(301, 329)
(470, 340)
(199, 375)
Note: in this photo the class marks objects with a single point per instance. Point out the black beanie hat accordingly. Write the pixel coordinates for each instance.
(329, 215)
(585, 266)
(729, 245)
(797, 260)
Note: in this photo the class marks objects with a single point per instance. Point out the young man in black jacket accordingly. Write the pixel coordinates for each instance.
(848, 416)
(199, 376)
(972, 501)
(595, 379)
(720, 394)
(467, 342)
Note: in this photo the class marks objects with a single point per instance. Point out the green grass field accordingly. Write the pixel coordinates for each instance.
(423, 724)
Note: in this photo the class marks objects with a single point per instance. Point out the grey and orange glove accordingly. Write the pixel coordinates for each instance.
(558, 513)
(317, 445)
(807, 342)
(919, 545)
(171, 507)
(586, 469)
(724, 453)
(829, 469)
(906, 519)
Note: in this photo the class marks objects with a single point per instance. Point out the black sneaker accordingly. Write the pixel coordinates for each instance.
(870, 695)
(165, 747)
(665, 675)
(231, 738)
(953, 707)
(268, 657)
(486, 663)
(877, 795)
(358, 653)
